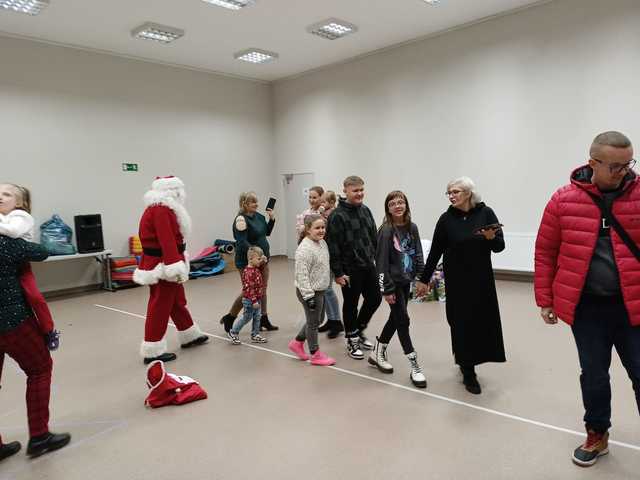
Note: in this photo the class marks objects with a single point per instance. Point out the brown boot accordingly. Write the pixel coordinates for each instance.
(596, 445)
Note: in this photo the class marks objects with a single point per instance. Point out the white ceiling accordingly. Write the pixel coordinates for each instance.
(214, 34)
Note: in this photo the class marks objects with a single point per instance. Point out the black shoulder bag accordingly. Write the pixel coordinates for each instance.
(613, 221)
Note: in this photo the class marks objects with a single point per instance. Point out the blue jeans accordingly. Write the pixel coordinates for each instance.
(602, 323)
(249, 314)
(331, 305)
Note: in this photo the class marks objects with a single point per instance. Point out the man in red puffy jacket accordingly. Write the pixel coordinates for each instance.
(587, 275)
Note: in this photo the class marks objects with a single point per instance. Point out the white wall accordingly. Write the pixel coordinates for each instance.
(513, 102)
(70, 118)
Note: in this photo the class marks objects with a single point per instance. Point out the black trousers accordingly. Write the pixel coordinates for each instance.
(361, 282)
(399, 320)
(600, 324)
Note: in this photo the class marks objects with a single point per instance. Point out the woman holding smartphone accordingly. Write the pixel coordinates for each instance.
(251, 228)
(466, 234)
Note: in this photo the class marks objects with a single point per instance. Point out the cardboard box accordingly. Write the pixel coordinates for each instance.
(230, 262)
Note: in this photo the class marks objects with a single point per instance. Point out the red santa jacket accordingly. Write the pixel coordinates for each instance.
(163, 228)
(566, 241)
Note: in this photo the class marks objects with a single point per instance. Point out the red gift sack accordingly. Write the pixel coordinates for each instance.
(169, 389)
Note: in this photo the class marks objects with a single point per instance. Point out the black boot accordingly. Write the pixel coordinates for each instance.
(165, 357)
(470, 380)
(196, 341)
(324, 327)
(9, 449)
(227, 320)
(47, 443)
(335, 327)
(265, 324)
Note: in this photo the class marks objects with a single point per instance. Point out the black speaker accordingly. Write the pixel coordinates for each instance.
(89, 233)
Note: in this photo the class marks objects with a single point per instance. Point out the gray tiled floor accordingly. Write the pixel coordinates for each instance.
(270, 416)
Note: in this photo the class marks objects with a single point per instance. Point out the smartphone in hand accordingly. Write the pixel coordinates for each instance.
(271, 203)
(491, 226)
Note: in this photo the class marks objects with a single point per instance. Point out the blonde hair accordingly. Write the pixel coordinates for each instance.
(466, 184)
(309, 220)
(23, 196)
(246, 197)
(254, 251)
(330, 197)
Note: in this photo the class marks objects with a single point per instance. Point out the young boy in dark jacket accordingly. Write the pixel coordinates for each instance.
(351, 236)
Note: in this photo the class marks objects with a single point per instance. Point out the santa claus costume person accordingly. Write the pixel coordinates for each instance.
(164, 227)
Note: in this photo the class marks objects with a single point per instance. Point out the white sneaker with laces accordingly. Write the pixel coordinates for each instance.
(353, 348)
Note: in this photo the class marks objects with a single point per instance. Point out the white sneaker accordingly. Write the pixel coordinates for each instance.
(353, 348)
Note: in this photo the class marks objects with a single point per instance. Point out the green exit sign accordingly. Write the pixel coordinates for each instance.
(129, 167)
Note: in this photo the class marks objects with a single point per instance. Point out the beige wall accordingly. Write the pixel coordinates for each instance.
(70, 118)
(513, 102)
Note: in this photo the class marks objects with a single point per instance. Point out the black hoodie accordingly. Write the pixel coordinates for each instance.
(390, 258)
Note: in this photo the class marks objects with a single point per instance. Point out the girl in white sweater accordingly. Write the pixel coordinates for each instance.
(312, 279)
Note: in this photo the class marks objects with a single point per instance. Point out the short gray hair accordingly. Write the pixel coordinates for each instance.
(611, 139)
(466, 184)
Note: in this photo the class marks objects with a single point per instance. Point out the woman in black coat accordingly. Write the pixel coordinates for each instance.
(472, 303)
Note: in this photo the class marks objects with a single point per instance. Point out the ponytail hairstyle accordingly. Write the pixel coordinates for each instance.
(309, 220)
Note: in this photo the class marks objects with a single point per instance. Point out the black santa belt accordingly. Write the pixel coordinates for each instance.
(157, 252)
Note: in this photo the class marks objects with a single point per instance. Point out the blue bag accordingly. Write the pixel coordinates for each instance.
(55, 236)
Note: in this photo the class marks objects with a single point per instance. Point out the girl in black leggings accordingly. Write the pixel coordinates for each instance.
(398, 261)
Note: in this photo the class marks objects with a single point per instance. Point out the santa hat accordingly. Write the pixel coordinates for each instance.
(166, 183)
(169, 191)
(168, 389)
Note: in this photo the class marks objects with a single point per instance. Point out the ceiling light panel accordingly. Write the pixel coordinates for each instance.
(231, 4)
(157, 32)
(31, 7)
(255, 55)
(332, 28)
